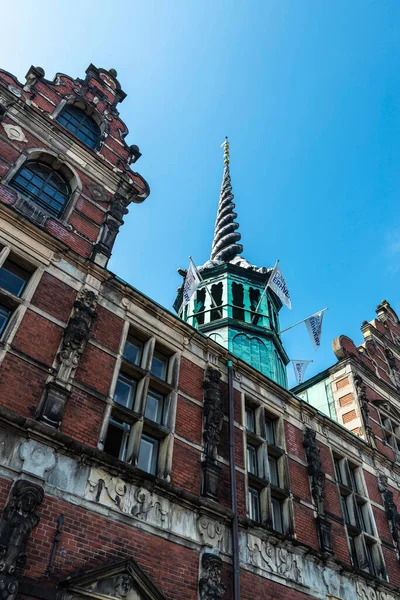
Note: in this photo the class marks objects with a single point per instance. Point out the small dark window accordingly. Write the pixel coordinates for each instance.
(252, 466)
(237, 300)
(254, 505)
(148, 454)
(270, 430)
(13, 278)
(250, 420)
(4, 318)
(199, 306)
(273, 470)
(155, 407)
(353, 551)
(43, 185)
(254, 296)
(133, 350)
(159, 365)
(370, 559)
(125, 391)
(216, 293)
(338, 470)
(345, 509)
(353, 479)
(117, 438)
(80, 124)
(277, 514)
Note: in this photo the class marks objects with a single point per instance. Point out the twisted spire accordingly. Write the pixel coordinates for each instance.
(225, 246)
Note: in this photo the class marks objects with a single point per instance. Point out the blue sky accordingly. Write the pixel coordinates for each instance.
(308, 92)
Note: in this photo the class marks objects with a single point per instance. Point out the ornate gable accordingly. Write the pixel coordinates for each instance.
(121, 580)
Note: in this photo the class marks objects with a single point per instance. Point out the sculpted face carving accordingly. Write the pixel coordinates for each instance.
(210, 585)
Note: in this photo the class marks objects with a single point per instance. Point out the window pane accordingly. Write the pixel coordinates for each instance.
(254, 505)
(80, 124)
(159, 365)
(133, 350)
(154, 407)
(252, 459)
(4, 317)
(370, 559)
(277, 515)
(117, 438)
(353, 551)
(39, 181)
(273, 470)
(250, 420)
(338, 470)
(353, 479)
(270, 431)
(13, 278)
(345, 510)
(148, 454)
(125, 391)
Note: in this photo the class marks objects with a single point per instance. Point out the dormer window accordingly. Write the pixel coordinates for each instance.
(44, 185)
(80, 124)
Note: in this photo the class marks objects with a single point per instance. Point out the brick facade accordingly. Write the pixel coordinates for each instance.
(112, 509)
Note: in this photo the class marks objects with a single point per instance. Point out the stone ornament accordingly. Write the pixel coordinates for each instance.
(392, 513)
(210, 586)
(76, 334)
(213, 417)
(362, 399)
(14, 132)
(38, 459)
(18, 519)
(314, 468)
(364, 592)
(275, 559)
(97, 192)
(112, 222)
(211, 531)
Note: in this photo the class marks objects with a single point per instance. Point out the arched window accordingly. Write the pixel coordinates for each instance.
(42, 184)
(80, 124)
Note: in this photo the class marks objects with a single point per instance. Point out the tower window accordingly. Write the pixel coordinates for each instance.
(133, 350)
(199, 306)
(237, 300)
(42, 184)
(80, 124)
(216, 293)
(254, 296)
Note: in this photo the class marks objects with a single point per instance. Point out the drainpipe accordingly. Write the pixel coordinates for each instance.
(235, 528)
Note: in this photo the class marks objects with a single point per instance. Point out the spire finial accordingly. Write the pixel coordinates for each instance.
(225, 144)
(225, 246)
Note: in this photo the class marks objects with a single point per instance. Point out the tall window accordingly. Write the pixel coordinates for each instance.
(140, 426)
(13, 280)
(80, 124)
(364, 547)
(268, 501)
(42, 184)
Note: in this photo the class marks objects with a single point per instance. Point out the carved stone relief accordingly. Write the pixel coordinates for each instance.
(18, 519)
(138, 502)
(211, 532)
(392, 513)
(213, 416)
(275, 559)
(210, 586)
(364, 407)
(365, 592)
(37, 458)
(14, 132)
(76, 336)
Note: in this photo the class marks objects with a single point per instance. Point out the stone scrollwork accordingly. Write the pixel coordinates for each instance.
(211, 532)
(114, 492)
(210, 586)
(364, 406)
(18, 519)
(275, 559)
(365, 592)
(213, 420)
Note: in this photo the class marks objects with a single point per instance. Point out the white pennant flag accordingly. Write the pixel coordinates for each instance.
(277, 283)
(300, 367)
(314, 327)
(192, 282)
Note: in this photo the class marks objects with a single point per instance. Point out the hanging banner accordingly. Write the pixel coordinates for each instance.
(277, 284)
(314, 328)
(300, 367)
(192, 282)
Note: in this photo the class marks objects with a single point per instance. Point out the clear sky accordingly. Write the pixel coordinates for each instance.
(308, 92)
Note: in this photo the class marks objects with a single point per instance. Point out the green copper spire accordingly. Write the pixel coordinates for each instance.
(225, 246)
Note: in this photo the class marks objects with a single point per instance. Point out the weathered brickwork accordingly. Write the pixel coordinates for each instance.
(77, 400)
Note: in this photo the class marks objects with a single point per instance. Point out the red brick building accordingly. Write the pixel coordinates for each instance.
(124, 430)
